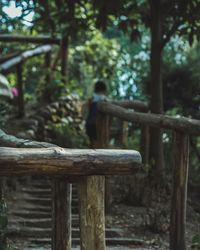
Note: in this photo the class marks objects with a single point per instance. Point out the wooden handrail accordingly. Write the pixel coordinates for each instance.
(23, 56)
(31, 39)
(59, 162)
(182, 124)
(89, 165)
(181, 128)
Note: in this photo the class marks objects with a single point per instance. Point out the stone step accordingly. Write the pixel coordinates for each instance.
(46, 201)
(30, 214)
(109, 241)
(34, 222)
(23, 231)
(37, 191)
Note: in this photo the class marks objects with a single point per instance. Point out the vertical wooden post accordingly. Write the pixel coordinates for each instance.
(20, 90)
(179, 195)
(61, 215)
(144, 144)
(64, 58)
(92, 218)
(92, 199)
(124, 133)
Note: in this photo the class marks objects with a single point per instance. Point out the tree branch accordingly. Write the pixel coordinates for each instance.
(173, 29)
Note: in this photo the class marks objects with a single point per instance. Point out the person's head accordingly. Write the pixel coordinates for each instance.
(100, 87)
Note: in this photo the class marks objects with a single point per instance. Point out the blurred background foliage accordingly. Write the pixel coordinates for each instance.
(111, 41)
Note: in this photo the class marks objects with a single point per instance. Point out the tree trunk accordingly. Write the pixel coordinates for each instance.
(156, 156)
(92, 218)
(61, 215)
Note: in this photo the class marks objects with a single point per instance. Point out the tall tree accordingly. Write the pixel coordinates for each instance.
(164, 18)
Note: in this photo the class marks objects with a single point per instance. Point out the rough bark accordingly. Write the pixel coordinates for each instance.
(156, 155)
(144, 144)
(61, 215)
(182, 124)
(59, 162)
(92, 218)
(179, 195)
(31, 39)
(102, 142)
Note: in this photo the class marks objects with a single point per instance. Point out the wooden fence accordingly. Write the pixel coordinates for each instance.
(88, 168)
(182, 127)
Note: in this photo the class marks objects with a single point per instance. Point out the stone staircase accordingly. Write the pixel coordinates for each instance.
(29, 217)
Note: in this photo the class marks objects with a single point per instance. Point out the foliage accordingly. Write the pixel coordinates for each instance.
(196, 242)
(182, 84)
(4, 111)
(64, 134)
(95, 59)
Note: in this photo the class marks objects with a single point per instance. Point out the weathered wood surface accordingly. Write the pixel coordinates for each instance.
(137, 105)
(182, 124)
(59, 161)
(31, 39)
(92, 217)
(23, 56)
(61, 215)
(179, 195)
(7, 140)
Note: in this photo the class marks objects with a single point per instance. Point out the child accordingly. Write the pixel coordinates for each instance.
(99, 95)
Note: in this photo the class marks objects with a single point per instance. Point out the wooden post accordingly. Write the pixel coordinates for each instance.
(92, 198)
(20, 90)
(61, 215)
(64, 58)
(102, 142)
(124, 133)
(92, 218)
(179, 195)
(144, 144)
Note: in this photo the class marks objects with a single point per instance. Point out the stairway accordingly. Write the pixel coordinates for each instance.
(29, 217)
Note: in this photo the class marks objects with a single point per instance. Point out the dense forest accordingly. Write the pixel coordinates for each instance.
(147, 52)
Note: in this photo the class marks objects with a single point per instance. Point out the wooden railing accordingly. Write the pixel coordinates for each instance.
(64, 166)
(182, 127)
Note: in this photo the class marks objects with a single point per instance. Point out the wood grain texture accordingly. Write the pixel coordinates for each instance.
(61, 215)
(182, 124)
(179, 195)
(58, 161)
(92, 218)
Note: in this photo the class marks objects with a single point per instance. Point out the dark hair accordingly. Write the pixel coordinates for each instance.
(100, 86)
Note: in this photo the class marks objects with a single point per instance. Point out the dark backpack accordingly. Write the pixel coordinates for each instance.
(92, 114)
